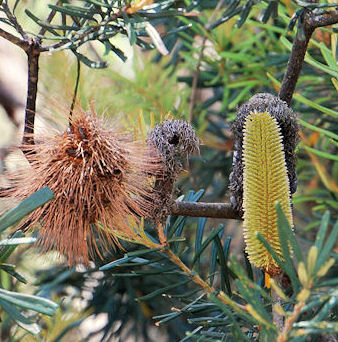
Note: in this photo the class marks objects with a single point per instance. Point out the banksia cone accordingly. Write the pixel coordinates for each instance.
(265, 182)
(289, 128)
(99, 178)
(174, 140)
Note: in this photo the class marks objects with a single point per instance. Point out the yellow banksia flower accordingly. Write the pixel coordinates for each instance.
(265, 182)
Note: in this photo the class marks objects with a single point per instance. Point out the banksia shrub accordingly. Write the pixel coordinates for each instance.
(100, 179)
(265, 182)
(289, 128)
(174, 140)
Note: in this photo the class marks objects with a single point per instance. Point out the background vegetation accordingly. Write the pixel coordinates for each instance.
(221, 53)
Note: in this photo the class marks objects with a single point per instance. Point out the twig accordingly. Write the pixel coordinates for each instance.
(13, 39)
(94, 29)
(33, 55)
(294, 66)
(200, 209)
(13, 20)
(78, 70)
(283, 336)
(199, 281)
(49, 19)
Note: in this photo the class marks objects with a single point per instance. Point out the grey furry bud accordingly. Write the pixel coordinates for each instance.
(289, 128)
(175, 140)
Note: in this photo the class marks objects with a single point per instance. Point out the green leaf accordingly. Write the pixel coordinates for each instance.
(302, 99)
(227, 310)
(310, 60)
(327, 248)
(206, 243)
(19, 318)
(129, 28)
(323, 327)
(110, 47)
(84, 14)
(199, 236)
(33, 202)
(142, 252)
(5, 252)
(324, 224)
(324, 312)
(286, 234)
(91, 64)
(321, 153)
(253, 299)
(98, 3)
(225, 280)
(162, 290)
(10, 269)
(35, 303)
(115, 263)
(18, 241)
(41, 23)
(285, 267)
(318, 129)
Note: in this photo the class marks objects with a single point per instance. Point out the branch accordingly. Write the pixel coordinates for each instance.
(200, 209)
(294, 67)
(13, 39)
(33, 55)
(49, 19)
(13, 20)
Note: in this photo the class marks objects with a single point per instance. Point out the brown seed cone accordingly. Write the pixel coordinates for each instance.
(99, 177)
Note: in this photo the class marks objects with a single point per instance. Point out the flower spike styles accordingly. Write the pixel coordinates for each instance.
(289, 128)
(265, 182)
(99, 178)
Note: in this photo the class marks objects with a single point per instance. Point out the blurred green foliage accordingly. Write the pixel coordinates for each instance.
(246, 46)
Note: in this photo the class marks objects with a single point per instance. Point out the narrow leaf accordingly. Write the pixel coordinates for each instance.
(38, 304)
(26, 207)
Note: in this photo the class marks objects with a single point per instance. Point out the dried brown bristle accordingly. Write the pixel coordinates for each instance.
(99, 178)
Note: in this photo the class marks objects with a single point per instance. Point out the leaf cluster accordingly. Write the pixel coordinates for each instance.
(15, 305)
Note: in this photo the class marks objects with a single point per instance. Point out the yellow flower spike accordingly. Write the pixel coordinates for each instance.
(265, 181)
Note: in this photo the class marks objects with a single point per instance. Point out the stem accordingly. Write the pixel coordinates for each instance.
(294, 66)
(33, 74)
(200, 209)
(11, 17)
(199, 281)
(13, 39)
(277, 318)
(49, 19)
(283, 336)
(78, 70)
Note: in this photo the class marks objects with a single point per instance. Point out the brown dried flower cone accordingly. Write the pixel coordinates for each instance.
(99, 178)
